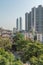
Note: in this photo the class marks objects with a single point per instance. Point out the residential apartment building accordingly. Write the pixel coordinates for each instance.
(26, 21)
(20, 20)
(34, 19)
(39, 19)
(19, 24)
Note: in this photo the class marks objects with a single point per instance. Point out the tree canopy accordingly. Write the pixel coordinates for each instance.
(7, 58)
(31, 51)
(5, 43)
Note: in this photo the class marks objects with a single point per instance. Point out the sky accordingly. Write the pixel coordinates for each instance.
(12, 9)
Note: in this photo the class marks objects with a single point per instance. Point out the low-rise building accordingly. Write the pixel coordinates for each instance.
(5, 33)
(40, 37)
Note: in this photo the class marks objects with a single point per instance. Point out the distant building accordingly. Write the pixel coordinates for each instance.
(26, 21)
(34, 19)
(40, 37)
(20, 20)
(29, 21)
(37, 18)
(5, 33)
(14, 30)
(19, 24)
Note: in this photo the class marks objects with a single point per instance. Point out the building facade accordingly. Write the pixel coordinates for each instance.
(39, 19)
(26, 21)
(34, 19)
(5, 33)
(20, 21)
(29, 21)
(19, 24)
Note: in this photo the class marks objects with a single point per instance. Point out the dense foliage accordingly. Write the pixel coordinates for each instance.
(7, 58)
(5, 43)
(18, 36)
(30, 51)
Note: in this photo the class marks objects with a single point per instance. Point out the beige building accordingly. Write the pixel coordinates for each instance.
(5, 33)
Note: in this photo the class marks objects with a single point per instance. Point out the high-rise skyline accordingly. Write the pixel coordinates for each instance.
(35, 18)
(11, 9)
(39, 19)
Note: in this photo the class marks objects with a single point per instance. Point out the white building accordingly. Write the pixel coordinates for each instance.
(40, 37)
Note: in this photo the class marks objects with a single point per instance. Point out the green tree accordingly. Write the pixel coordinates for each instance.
(34, 61)
(5, 43)
(30, 51)
(18, 36)
(7, 58)
(33, 52)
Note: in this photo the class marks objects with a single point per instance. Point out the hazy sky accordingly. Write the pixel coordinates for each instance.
(11, 9)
